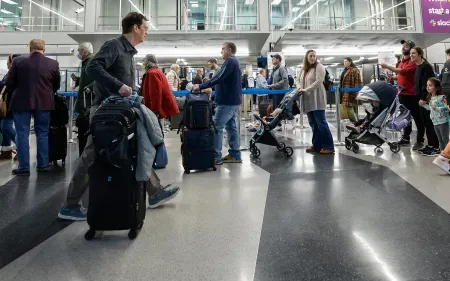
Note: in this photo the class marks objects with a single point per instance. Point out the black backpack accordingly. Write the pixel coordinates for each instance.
(113, 128)
(197, 112)
(60, 116)
(327, 81)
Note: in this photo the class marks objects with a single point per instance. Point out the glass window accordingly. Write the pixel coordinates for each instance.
(41, 15)
(341, 15)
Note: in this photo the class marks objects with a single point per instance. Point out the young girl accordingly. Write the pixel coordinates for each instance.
(439, 112)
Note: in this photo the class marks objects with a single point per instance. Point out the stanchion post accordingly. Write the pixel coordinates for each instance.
(241, 147)
(301, 125)
(338, 118)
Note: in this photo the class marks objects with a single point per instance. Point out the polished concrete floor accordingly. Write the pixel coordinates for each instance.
(309, 217)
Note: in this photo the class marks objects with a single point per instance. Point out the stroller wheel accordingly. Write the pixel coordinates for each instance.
(288, 151)
(348, 144)
(395, 147)
(379, 149)
(255, 152)
(281, 146)
(355, 148)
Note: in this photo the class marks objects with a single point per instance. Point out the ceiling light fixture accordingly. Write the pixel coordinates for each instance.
(5, 11)
(194, 5)
(374, 15)
(373, 58)
(249, 2)
(56, 13)
(295, 9)
(9, 2)
(276, 2)
(79, 10)
(329, 58)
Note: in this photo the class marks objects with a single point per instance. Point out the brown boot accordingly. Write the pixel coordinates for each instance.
(6, 155)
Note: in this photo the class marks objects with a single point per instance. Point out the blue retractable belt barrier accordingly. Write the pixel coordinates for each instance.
(68, 94)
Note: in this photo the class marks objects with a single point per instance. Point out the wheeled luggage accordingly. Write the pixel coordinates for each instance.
(57, 135)
(197, 112)
(116, 200)
(57, 145)
(198, 149)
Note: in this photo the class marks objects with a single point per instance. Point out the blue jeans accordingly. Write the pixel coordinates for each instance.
(9, 134)
(41, 128)
(226, 117)
(322, 138)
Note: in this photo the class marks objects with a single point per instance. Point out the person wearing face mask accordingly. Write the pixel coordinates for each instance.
(405, 71)
(350, 78)
(85, 54)
(314, 103)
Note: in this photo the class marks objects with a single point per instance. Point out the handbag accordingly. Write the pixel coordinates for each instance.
(161, 159)
(344, 114)
(3, 108)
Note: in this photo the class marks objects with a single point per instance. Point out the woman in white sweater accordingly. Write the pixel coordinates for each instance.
(172, 77)
(314, 103)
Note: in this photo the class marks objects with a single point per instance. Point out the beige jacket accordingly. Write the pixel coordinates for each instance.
(315, 96)
(173, 79)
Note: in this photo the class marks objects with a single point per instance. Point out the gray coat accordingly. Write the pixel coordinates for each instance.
(280, 78)
(314, 96)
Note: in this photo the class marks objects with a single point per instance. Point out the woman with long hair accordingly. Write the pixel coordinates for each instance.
(350, 78)
(314, 103)
(8, 131)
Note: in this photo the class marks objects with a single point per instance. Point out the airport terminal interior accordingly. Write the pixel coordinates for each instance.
(365, 212)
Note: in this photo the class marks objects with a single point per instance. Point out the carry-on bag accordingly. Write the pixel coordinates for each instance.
(197, 112)
(197, 149)
(116, 200)
(57, 135)
(57, 145)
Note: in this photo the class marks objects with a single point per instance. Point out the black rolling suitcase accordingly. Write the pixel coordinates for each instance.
(116, 200)
(57, 136)
(198, 150)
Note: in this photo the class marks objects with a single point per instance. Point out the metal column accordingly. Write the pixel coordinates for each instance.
(338, 118)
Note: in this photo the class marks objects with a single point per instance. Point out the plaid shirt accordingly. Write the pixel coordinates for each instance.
(352, 79)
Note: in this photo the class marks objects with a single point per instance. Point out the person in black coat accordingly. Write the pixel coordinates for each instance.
(8, 131)
(32, 82)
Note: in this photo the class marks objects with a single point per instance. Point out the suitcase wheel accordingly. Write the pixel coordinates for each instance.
(187, 171)
(63, 163)
(133, 234)
(214, 169)
(55, 163)
(89, 234)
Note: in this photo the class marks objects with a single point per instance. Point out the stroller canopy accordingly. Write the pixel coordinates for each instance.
(378, 91)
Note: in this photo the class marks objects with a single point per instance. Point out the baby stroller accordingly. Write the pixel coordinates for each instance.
(384, 112)
(264, 134)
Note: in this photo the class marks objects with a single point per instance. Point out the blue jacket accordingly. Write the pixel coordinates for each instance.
(227, 83)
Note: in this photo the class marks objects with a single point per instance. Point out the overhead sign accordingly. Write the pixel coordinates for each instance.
(436, 16)
(269, 59)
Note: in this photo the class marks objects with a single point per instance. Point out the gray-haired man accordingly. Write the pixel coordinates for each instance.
(85, 54)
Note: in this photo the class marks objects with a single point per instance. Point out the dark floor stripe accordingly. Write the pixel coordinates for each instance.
(341, 218)
(29, 208)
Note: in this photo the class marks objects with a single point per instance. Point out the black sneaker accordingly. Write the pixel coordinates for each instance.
(44, 169)
(18, 172)
(432, 152)
(404, 142)
(425, 149)
(418, 146)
